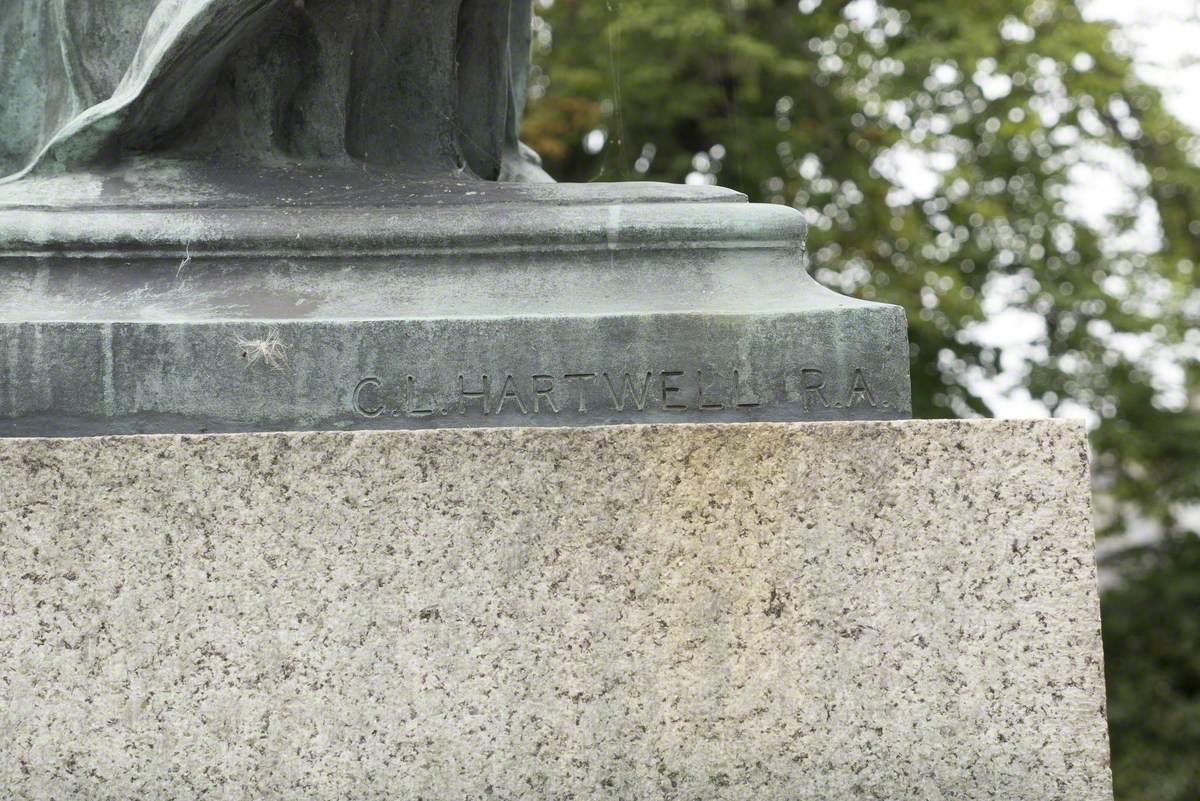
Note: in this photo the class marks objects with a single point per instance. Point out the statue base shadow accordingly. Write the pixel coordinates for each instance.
(186, 298)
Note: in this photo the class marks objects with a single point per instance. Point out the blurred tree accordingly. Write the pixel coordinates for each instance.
(956, 159)
(1154, 670)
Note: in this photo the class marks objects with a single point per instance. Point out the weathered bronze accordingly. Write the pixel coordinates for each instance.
(422, 87)
(236, 215)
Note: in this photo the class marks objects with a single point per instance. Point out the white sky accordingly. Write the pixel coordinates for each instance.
(1165, 34)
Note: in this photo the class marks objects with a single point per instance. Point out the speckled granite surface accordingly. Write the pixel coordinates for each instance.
(838, 611)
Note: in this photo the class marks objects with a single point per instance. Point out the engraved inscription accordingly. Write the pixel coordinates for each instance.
(483, 395)
(860, 392)
(509, 392)
(638, 397)
(543, 389)
(812, 386)
(814, 391)
(366, 398)
(667, 382)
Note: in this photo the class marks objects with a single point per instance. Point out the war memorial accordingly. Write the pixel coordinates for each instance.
(343, 454)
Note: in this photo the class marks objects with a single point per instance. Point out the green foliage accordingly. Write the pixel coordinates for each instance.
(1154, 703)
(827, 104)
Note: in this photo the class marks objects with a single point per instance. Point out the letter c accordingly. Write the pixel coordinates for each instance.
(358, 398)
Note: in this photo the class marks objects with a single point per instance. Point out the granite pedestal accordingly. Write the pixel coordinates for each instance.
(762, 612)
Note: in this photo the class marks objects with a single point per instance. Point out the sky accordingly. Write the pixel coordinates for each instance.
(1164, 34)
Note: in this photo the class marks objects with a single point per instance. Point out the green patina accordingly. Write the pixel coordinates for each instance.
(422, 86)
(232, 215)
